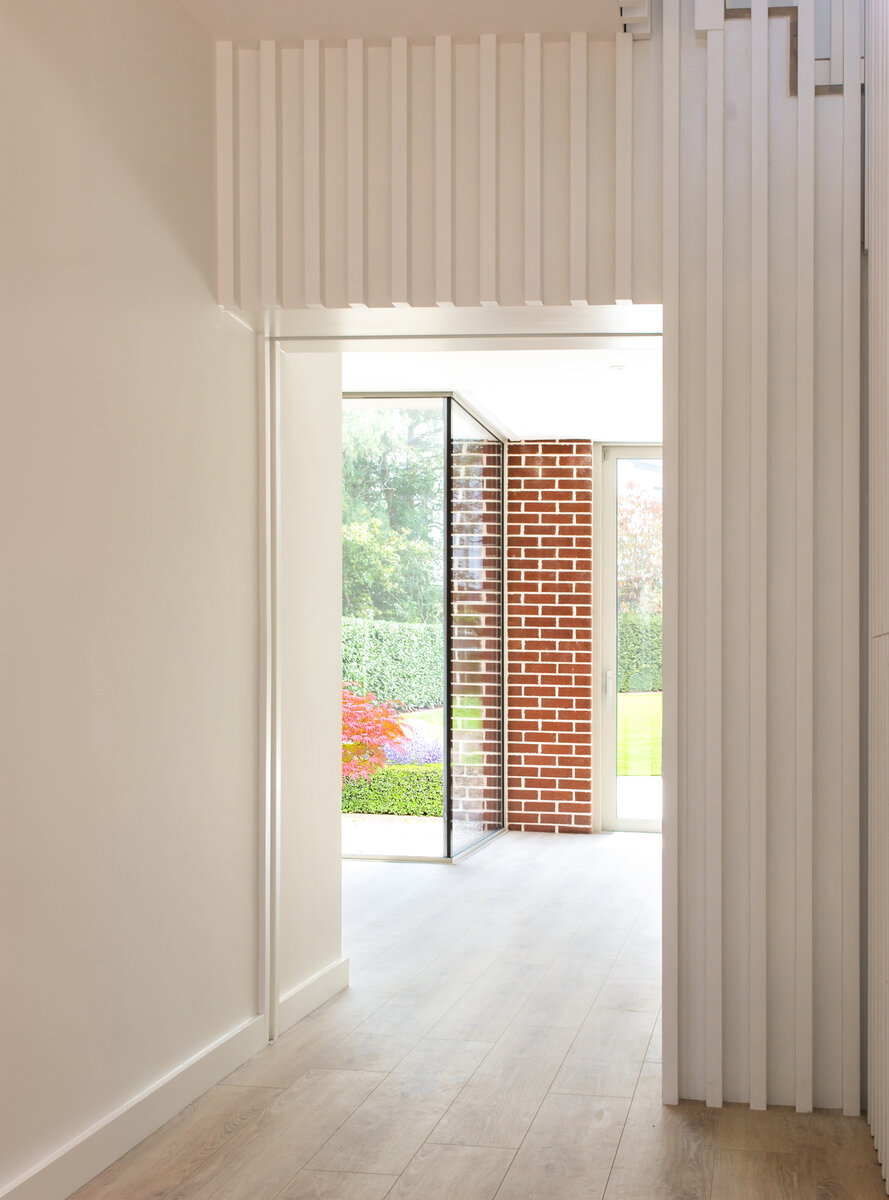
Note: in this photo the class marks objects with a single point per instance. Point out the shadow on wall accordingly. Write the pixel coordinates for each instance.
(163, 147)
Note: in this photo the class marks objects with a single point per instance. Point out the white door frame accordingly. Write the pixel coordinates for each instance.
(329, 331)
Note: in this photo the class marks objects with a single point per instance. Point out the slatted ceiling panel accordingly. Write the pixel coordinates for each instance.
(421, 139)
(443, 135)
(556, 181)
(467, 169)
(623, 167)
(399, 176)
(422, 176)
(577, 186)
(334, 238)
(293, 290)
(356, 201)
(268, 173)
(600, 169)
(312, 181)
(249, 212)
(225, 173)
(378, 248)
(510, 209)
(487, 169)
(532, 182)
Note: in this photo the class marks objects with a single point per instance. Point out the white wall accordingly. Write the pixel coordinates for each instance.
(308, 922)
(129, 760)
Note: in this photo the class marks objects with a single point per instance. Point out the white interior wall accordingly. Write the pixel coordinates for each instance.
(129, 760)
(307, 938)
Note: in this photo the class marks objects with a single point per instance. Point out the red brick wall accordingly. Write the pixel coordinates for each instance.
(549, 635)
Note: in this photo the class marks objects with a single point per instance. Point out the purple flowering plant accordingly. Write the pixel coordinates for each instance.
(424, 745)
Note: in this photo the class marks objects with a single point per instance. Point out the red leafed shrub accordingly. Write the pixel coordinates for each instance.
(369, 725)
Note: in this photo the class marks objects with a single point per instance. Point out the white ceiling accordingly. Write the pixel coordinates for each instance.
(605, 395)
(250, 20)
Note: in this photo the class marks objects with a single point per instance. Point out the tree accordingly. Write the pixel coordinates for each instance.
(369, 726)
(640, 556)
(389, 575)
(393, 513)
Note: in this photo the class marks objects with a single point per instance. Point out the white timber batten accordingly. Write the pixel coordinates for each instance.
(390, 175)
(877, 245)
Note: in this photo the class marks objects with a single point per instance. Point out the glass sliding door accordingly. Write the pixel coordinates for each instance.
(474, 708)
(632, 584)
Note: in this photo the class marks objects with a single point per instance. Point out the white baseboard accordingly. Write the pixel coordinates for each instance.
(301, 1000)
(74, 1164)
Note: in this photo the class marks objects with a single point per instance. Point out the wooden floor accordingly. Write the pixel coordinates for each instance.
(500, 1039)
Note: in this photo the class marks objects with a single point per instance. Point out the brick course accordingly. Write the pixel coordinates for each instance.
(549, 636)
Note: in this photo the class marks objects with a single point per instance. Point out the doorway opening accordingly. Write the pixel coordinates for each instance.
(555, 409)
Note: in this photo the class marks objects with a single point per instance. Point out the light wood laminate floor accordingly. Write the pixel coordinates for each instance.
(500, 1040)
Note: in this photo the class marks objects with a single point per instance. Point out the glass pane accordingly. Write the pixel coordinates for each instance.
(639, 594)
(393, 624)
(476, 782)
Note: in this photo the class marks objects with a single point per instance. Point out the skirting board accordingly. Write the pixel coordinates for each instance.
(73, 1165)
(305, 997)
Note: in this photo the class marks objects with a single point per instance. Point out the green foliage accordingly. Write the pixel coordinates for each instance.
(389, 574)
(409, 791)
(639, 652)
(393, 513)
(399, 662)
(640, 734)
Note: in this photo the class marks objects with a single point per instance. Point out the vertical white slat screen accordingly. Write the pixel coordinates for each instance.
(493, 173)
(805, 560)
(713, 630)
(877, 246)
(851, 558)
(760, 280)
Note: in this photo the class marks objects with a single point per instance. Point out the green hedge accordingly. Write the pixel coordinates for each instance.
(397, 662)
(413, 791)
(639, 652)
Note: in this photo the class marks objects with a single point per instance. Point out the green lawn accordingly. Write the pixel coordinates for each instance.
(639, 718)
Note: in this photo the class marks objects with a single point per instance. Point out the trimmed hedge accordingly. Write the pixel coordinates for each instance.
(639, 652)
(398, 662)
(411, 791)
